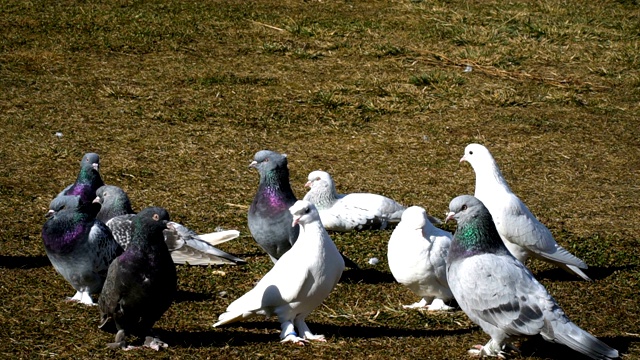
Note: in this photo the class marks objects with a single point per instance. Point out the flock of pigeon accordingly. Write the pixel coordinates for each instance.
(96, 241)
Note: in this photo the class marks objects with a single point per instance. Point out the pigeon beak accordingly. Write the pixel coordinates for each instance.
(464, 158)
(450, 216)
(296, 220)
(253, 164)
(308, 184)
(95, 166)
(98, 200)
(49, 214)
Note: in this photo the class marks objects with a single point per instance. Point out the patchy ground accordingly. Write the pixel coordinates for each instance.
(176, 97)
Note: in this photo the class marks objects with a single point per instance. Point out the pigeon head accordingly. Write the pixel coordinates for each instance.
(267, 160)
(149, 224)
(476, 232)
(477, 155)
(414, 217)
(63, 202)
(303, 213)
(321, 194)
(318, 175)
(90, 161)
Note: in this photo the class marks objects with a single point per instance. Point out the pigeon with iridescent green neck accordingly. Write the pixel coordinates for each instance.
(500, 294)
(88, 180)
(520, 230)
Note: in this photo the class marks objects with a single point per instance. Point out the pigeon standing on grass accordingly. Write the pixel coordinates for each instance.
(140, 284)
(186, 246)
(417, 254)
(500, 294)
(356, 211)
(269, 218)
(521, 232)
(298, 282)
(88, 180)
(79, 247)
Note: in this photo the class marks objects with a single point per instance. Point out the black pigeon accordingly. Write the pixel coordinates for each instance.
(500, 294)
(141, 283)
(79, 246)
(186, 246)
(269, 218)
(88, 180)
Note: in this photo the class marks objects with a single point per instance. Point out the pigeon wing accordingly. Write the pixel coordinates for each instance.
(122, 229)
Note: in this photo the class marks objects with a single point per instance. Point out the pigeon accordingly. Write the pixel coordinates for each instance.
(269, 218)
(79, 246)
(521, 232)
(140, 284)
(500, 294)
(417, 253)
(298, 282)
(88, 180)
(186, 246)
(356, 211)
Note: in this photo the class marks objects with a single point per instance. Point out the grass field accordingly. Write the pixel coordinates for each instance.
(177, 96)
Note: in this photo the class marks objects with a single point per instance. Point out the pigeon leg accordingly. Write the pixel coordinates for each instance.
(119, 343)
(304, 330)
(491, 349)
(439, 305)
(288, 334)
(154, 343)
(82, 297)
(419, 305)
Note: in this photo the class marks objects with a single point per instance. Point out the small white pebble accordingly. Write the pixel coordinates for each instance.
(59, 134)
(222, 294)
(469, 68)
(374, 261)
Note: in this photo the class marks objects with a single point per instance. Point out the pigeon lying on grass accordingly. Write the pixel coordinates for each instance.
(269, 218)
(521, 232)
(186, 246)
(140, 284)
(500, 294)
(417, 253)
(298, 282)
(79, 247)
(88, 180)
(356, 211)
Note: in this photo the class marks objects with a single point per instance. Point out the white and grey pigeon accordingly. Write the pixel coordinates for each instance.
(79, 246)
(186, 246)
(88, 180)
(297, 284)
(349, 212)
(500, 294)
(520, 230)
(417, 256)
(269, 218)
(140, 284)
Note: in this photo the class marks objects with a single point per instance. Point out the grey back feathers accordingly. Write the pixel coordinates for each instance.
(520, 230)
(500, 294)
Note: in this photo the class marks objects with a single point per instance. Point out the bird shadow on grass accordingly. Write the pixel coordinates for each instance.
(239, 334)
(190, 296)
(24, 262)
(594, 272)
(366, 276)
(539, 347)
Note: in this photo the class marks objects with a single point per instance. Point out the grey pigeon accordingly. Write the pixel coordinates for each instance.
(500, 294)
(297, 284)
(140, 284)
(88, 180)
(521, 232)
(186, 246)
(417, 256)
(269, 218)
(79, 246)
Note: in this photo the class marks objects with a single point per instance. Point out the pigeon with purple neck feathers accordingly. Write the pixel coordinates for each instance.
(186, 246)
(79, 246)
(269, 218)
(521, 232)
(140, 284)
(88, 180)
(500, 294)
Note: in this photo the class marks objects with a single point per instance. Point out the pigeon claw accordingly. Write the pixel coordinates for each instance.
(482, 351)
(155, 343)
(295, 339)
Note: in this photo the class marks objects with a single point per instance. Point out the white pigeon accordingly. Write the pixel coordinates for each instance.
(356, 211)
(417, 258)
(500, 294)
(298, 282)
(521, 232)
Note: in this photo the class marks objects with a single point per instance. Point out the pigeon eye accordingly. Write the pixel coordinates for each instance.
(470, 152)
(464, 207)
(156, 217)
(306, 211)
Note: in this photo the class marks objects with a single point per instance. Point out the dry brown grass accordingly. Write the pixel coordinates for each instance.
(176, 97)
